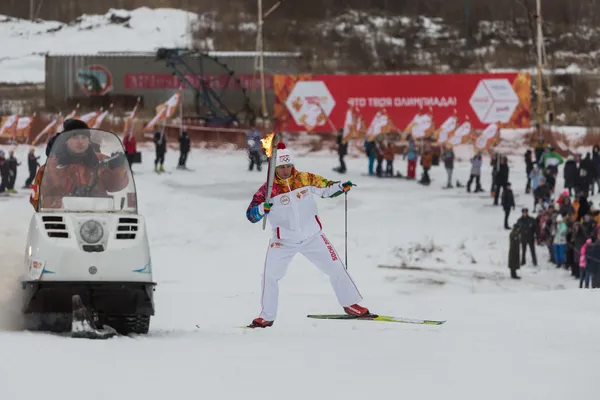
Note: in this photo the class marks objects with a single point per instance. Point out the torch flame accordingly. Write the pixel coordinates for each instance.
(266, 143)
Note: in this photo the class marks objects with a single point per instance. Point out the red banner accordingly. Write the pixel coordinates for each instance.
(213, 81)
(316, 102)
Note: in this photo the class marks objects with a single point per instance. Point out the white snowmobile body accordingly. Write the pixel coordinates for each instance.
(87, 238)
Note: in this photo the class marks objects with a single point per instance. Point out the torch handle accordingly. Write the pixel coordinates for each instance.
(271, 173)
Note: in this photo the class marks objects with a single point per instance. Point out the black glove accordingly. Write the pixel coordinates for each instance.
(116, 160)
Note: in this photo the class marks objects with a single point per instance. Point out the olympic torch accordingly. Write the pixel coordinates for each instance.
(270, 145)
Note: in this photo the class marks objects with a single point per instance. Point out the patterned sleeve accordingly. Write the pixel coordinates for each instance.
(255, 211)
(323, 187)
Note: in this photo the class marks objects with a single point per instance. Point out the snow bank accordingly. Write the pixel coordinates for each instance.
(24, 43)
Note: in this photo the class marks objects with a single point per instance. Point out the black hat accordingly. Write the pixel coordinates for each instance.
(72, 124)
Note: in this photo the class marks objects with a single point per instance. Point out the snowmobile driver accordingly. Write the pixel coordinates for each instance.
(77, 169)
(296, 229)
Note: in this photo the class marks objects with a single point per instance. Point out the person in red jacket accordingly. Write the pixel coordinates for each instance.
(130, 147)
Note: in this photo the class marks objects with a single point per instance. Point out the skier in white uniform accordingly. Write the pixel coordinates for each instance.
(294, 219)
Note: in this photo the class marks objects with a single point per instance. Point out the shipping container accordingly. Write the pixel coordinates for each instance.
(102, 79)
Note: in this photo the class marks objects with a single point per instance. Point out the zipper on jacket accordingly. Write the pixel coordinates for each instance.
(295, 208)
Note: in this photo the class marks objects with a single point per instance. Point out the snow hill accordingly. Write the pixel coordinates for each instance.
(24, 43)
(503, 339)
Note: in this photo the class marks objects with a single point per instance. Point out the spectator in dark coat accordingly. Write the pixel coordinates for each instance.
(13, 163)
(184, 149)
(570, 174)
(592, 262)
(255, 149)
(513, 252)
(579, 238)
(508, 203)
(566, 208)
(587, 174)
(528, 227)
(550, 179)
(342, 151)
(495, 164)
(160, 145)
(528, 169)
(596, 162)
(572, 261)
(4, 174)
(540, 147)
(584, 206)
(33, 164)
(501, 179)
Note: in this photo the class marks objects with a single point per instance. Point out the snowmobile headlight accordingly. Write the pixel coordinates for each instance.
(91, 231)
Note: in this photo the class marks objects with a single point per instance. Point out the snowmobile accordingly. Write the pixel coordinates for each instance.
(88, 269)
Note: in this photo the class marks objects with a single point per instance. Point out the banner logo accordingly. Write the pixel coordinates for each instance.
(310, 103)
(95, 80)
(494, 100)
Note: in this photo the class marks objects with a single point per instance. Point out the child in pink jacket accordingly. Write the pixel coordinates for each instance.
(583, 271)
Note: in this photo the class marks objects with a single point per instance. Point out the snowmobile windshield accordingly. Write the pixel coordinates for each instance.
(87, 171)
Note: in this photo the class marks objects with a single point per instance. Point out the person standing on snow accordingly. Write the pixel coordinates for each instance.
(570, 174)
(592, 261)
(389, 153)
(501, 179)
(33, 164)
(411, 156)
(254, 150)
(448, 157)
(596, 162)
(296, 228)
(160, 143)
(476, 163)
(587, 174)
(528, 169)
(584, 275)
(560, 242)
(551, 160)
(508, 203)
(342, 151)
(528, 228)
(13, 163)
(426, 163)
(537, 180)
(4, 174)
(513, 252)
(130, 145)
(184, 149)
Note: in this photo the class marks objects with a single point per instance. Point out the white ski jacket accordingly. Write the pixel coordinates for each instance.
(294, 215)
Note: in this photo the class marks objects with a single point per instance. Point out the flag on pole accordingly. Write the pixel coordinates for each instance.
(165, 111)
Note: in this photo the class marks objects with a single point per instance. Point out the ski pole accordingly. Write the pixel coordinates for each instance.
(346, 229)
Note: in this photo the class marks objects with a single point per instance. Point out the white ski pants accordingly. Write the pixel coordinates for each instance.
(322, 254)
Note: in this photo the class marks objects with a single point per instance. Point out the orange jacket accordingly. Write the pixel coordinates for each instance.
(60, 181)
(427, 160)
(389, 151)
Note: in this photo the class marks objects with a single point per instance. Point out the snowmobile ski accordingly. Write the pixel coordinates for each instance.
(375, 317)
(82, 325)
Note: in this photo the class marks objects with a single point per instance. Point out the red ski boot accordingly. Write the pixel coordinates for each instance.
(357, 310)
(260, 323)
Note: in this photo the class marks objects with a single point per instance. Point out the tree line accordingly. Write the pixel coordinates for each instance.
(564, 12)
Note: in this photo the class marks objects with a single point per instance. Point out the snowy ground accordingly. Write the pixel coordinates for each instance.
(504, 339)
